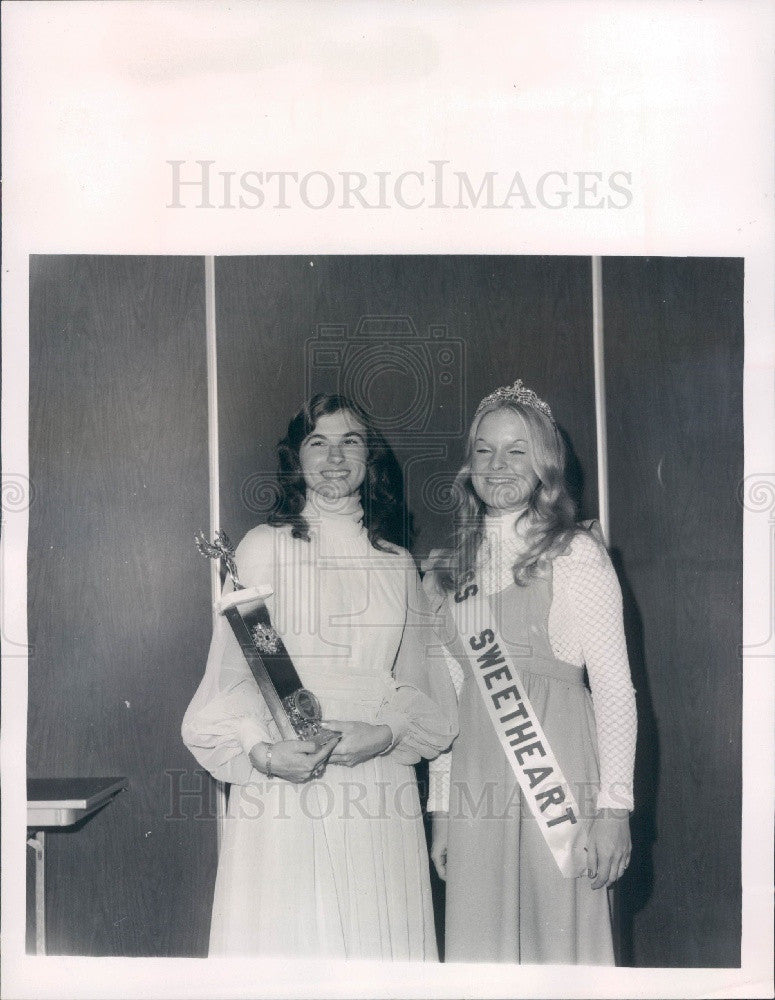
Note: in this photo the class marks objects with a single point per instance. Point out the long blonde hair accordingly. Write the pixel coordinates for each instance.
(550, 511)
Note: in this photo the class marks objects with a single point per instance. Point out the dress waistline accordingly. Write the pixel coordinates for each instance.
(557, 670)
(368, 686)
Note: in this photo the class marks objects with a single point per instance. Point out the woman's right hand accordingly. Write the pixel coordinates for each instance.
(439, 837)
(293, 760)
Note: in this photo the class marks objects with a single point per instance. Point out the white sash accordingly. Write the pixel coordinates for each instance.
(520, 733)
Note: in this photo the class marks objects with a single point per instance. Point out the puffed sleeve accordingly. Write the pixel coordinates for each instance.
(227, 715)
(439, 769)
(422, 710)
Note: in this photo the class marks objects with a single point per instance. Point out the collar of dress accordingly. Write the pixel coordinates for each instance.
(503, 527)
(342, 518)
(502, 541)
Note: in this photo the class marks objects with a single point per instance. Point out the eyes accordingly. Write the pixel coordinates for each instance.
(351, 441)
(512, 451)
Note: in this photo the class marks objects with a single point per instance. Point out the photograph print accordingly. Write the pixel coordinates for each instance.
(460, 679)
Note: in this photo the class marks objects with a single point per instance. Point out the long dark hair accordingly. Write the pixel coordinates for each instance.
(382, 492)
(550, 511)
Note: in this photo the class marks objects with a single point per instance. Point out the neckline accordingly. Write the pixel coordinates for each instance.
(505, 525)
(343, 518)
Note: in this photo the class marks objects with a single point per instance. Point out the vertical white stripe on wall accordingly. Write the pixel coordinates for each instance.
(598, 352)
(600, 415)
(214, 473)
(212, 418)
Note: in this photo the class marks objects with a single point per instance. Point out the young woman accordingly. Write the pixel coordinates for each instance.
(333, 866)
(531, 807)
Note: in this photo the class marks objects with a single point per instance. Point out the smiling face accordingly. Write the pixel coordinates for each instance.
(333, 456)
(502, 469)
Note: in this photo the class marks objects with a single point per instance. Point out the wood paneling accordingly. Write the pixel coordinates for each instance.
(499, 318)
(118, 598)
(674, 352)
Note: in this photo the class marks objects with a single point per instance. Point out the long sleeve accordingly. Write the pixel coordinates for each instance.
(227, 715)
(422, 710)
(585, 627)
(587, 591)
(439, 769)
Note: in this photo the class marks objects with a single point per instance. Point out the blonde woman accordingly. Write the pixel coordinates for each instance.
(531, 806)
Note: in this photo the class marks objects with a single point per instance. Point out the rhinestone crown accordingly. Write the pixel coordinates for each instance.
(517, 393)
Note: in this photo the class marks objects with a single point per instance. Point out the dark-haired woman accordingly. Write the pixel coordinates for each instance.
(334, 865)
(531, 807)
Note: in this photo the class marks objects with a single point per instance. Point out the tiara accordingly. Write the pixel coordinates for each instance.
(516, 393)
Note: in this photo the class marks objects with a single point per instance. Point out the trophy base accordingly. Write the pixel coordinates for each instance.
(303, 711)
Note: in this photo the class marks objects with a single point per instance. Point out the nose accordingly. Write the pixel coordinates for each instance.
(497, 461)
(335, 454)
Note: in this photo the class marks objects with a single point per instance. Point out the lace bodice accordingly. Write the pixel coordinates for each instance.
(585, 628)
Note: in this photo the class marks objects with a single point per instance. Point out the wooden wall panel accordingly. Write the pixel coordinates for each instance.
(674, 352)
(118, 598)
(119, 601)
(500, 317)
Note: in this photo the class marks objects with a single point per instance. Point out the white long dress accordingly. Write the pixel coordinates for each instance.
(335, 867)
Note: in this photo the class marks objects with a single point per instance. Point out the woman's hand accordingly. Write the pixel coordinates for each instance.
(360, 741)
(439, 838)
(294, 760)
(608, 846)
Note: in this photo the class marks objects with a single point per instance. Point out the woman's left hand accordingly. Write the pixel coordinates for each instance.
(608, 847)
(360, 741)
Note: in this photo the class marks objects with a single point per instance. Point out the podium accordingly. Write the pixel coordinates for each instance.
(60, 804)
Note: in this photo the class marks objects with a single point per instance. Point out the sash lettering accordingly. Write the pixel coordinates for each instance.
(519, 731)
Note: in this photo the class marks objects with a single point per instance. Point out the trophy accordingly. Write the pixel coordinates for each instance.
(295, 710)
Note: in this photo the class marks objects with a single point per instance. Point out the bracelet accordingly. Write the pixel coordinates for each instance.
(269, 761)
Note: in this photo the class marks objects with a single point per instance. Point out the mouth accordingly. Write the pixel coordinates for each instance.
(500, 480)
(335, 473)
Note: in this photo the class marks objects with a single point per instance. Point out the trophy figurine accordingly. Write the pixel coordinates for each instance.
(295, 710)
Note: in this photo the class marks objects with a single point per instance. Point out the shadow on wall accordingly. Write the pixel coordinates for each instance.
(636, 886)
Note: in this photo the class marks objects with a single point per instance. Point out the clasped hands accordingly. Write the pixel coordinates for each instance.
(299, 760)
